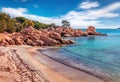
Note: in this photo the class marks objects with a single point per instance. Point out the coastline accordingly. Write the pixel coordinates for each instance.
(65, 71)
(45, 70)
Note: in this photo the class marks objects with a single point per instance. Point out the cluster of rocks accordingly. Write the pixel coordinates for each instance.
(44, 37)
(31, 36)
(70, 32)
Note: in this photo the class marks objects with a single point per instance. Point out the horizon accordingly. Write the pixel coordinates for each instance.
(80, 13)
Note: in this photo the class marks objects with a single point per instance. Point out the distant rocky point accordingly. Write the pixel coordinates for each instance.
(45, 37)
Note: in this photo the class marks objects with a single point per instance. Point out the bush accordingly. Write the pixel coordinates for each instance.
(18, 23)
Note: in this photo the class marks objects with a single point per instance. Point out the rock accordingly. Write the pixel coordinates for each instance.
(55, 36)
(40, 42)
(68, 42)
(18, 39)
(49, 41)
(66, 35)
(91, 30)
(29, 42)
(44, 37)
(85, 34)
(78, 33)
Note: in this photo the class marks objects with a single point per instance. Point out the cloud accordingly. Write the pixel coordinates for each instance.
(106, 12)
(93, 17)
(88, 5)
(96, 17)
(14, 11)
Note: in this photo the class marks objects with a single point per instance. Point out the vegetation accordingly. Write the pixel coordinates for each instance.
(65, 23)
(16, 24)
(8, 24)
(39, 25)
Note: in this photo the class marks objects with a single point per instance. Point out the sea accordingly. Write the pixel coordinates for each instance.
(95, 55)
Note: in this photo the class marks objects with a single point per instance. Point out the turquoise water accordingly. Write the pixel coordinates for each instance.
(96, 55)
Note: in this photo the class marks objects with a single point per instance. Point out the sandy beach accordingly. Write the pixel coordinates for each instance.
(27, 64)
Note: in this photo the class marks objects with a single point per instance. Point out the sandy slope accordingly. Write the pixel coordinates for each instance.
(20, 65)
(16, 66)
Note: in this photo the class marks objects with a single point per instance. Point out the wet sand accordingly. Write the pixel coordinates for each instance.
(62, 70)
(27, 64)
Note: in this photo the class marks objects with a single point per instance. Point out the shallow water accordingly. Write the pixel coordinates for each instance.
(96, 55)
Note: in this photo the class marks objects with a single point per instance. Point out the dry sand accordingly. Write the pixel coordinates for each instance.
(26, 64)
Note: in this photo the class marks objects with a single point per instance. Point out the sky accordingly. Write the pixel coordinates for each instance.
(80, 13)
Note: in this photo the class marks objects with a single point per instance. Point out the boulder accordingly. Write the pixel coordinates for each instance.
(29, 42)
(66, 35)
(40, 42)
(78, 33)
(55, 36)
(49, 41)
(91, 30)
(68, 42)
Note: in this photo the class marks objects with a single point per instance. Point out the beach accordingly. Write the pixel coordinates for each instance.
(73, 41)
(27, 64)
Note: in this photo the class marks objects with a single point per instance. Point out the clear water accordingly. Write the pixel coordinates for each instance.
(96, 55)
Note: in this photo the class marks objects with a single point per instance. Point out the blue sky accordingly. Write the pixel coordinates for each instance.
(80, 13)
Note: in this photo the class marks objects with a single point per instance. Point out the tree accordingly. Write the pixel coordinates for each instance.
(20, 19)
(65, 23)
(52, 25)
(9, 24)
(37, 24)
(28, 23)
(3, 25)
(6, 23)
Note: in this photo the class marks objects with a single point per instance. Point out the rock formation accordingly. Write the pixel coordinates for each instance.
(92, 31)
(33, 37)
(44, 37)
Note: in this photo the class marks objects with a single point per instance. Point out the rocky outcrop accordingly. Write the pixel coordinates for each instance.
(33, 37)
(70, 32)
(92, 31)
(45, 37)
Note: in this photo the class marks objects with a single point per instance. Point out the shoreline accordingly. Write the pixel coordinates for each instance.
(66, 71)
(45, 69)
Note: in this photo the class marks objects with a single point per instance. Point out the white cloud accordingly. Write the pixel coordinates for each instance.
(76, 18)
(14, 11)
(88, 5)
(92, 17)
